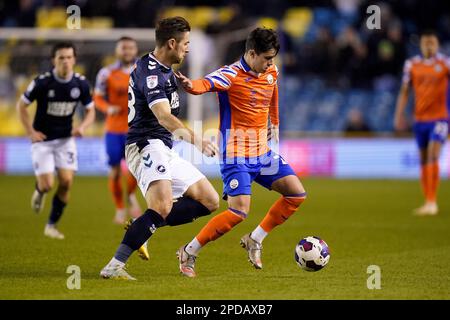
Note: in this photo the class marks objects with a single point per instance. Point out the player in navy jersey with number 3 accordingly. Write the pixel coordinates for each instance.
(58, 93)
(162, 176)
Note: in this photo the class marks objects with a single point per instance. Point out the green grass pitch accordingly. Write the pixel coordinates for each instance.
(364, 223)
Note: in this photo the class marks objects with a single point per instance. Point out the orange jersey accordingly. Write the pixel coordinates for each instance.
(246, 101)
(429, 79)
(111, 88)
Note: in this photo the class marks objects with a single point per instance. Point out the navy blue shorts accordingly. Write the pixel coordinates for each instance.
(238, 176)
(430, 131)
(115, 147)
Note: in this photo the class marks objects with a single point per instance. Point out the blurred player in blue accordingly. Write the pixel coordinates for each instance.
(58, 93)
(162, 176)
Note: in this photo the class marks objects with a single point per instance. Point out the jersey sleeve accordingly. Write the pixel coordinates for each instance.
(101, 89)
(153, 88)
(85, 95)
(32, 91)
(406, 78)
(219, 80)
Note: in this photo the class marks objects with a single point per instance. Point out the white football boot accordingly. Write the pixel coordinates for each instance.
(51, 232)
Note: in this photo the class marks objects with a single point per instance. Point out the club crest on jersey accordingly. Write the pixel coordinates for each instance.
(152, 81)
(437, 68)
(51, 93)
(75, 93)
(234, 184)
(270, 79)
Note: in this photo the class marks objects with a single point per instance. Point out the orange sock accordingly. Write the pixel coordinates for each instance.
(219, 225)
(424, 179)
(131, 182)
(115, 188)
(280, 211)
(433, 178)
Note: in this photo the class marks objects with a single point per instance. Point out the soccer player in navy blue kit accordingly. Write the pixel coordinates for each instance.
(58, 93)
(162, 176)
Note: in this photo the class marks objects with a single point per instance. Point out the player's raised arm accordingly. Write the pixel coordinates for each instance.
(161, 110)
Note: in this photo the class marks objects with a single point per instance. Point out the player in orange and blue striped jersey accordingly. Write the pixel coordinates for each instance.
(248, 97)
(427, 74)
(111, 97)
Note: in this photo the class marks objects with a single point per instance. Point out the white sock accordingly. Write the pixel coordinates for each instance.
(258, 234)
(193, 247)
(114, 261)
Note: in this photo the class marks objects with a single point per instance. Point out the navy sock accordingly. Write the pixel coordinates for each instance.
(142, 228)
(57, 210)
(186, 210)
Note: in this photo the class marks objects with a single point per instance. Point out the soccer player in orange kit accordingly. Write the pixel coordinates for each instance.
(427, 74)
(248, 96)
(111, 97)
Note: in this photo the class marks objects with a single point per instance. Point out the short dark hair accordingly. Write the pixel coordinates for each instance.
(126, 38)
(169, 28)
(262, 40)
(428, 33)
(63, 45)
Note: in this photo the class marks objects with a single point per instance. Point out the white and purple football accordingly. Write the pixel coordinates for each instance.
(312, 254)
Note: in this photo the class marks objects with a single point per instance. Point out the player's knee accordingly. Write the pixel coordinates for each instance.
(65, 184)
(45, 187)
(163, 207)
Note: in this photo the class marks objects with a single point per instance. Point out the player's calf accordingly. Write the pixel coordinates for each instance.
(38, 196)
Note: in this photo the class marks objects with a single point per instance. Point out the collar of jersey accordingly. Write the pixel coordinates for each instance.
(431, 59)
(245, 65)
(160, 63)
(61, 79)
(247, 68)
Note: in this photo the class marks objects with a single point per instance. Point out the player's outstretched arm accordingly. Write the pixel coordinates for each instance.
(161, 110)
(402, 101)
(196, 87)
(34, 135)
(219, 80)
(88, 119)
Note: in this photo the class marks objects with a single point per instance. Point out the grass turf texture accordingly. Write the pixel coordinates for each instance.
(364, 223)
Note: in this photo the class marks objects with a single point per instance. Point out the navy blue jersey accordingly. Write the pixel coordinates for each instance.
(150, 82)
(57, 100)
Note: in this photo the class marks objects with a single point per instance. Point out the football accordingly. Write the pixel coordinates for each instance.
(312, 254)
